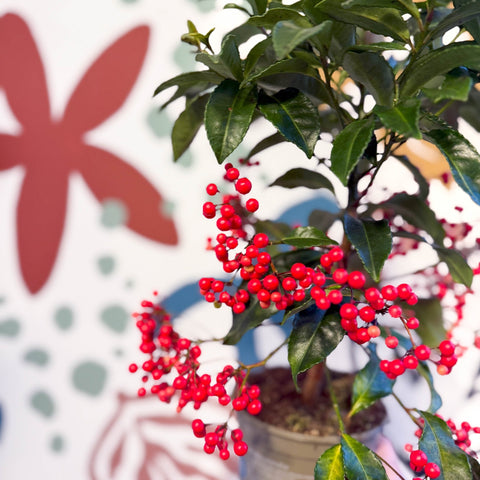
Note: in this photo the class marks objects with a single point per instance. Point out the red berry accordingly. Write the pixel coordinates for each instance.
(298, 271)
(432, 470)
(372, 294)
(367, 314)
(209, 210)
(133, 367)
(410, 362)
(260, 240)
(391, 341)
(356, 279)
(389, 292)
(447, 348)
(289, 283)
(422, 352)
(240, 448)
(395, 311)
(374, 331)
(232, 174)
(212, 189)
(252, 205)
(254, 407)
(418, 458)
(413, 323)
(348, 311)
(335, 297)
(243, 185)
(404, 291)
(340, 276)
(336, 254)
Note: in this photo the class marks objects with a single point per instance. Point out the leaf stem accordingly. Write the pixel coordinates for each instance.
(334, 400)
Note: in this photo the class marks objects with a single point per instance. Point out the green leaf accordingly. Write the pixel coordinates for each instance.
(316, 333)
(370, 385)
(231, 58)
(438, 444)
(275, 15)
(189, 84)
(454, 87)
(457, 265)
(475, 466)
(293, 65)
(417, 213)
(258, 6)
(473, 25)
(360, 462)
(267, 142)
(302, 177)
(227, 117)
(402, 118)
(187, 125)
(348, 147)
(378, 47)
(305, 237)
(462, 14)
(431, 329)
(250, 318)
(385, 21)
(373, 72)
(330, 465)
(322, 219)
(287, 35)
(423, 186)
(405, 6)
(435, 398)
(294, 116)
(461, 155)
(469, 110)
(236, 7)
(372, 240)
(438, 62)
(255, 54)
(274, 230)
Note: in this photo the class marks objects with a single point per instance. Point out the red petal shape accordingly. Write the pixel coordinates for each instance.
(21, 72)
(9, 151)
(107, 83)
(111, 178)
(40, 220)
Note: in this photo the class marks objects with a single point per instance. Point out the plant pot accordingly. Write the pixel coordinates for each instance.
(279, 454)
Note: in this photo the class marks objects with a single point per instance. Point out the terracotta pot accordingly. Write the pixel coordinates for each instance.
(277, 454)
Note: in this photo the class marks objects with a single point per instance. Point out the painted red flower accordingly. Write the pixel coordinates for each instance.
(50, 151)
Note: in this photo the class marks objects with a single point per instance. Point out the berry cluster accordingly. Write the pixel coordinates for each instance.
(173, 367)
(419, 463)
(327, 283)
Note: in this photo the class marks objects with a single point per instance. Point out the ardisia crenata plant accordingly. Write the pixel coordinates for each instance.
(365, 76)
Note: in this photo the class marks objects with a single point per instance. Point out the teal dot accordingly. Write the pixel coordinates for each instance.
(10, 327)
(114, 213)
(159, 122)
(57, 443)
(129, 283)
(119, 352)
(106, 264)
(115, 317)
(64, 318)
(43, 403)
(204, 5)
(184, 57)
(89, 377)
(186, 160)
(37, 356)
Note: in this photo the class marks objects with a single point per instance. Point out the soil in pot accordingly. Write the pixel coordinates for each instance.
(287, 437)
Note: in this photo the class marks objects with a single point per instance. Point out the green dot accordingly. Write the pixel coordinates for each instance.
(106, 264)
(10, 327)
(159, 122)
(114, 213)
(64, 318)
(42, 402)
(115, 317)
(57, 443)
(89, 378)
(37, 356)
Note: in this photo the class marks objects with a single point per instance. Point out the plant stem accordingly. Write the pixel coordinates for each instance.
(312, 384)
(334, 400)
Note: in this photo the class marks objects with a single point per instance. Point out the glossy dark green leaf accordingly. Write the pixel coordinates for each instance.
(231, 58)
(435, 398)
(294, 116)
(330, 465)
(461, 155)
(469, 110)
(236, 7)
(360, 462)
(457, 265)
(473, 26)
(475, 467)
(385, 21)
(189, 84)
(275, 15)
(454, 87)
(417, 213)
(275, 230)
(401, 118)
(305, 237)
(250, 318)
(423, 186)
(187, 125)
(348, 147)
(438, 62)
(464, 13)
(284, 260)
(370, 385)
(288, 35)
(322, 219)
(379, 47)
(372, 240)
(438, 444)
(373, 72)
(405, 6)
(255, 54)
(316, 333)
(431, 329)
(292, 65)
(267, 142)
(302, 177)
(258, 6)
(227, 117)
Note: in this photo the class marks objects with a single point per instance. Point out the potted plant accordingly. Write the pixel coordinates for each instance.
(366, 77)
